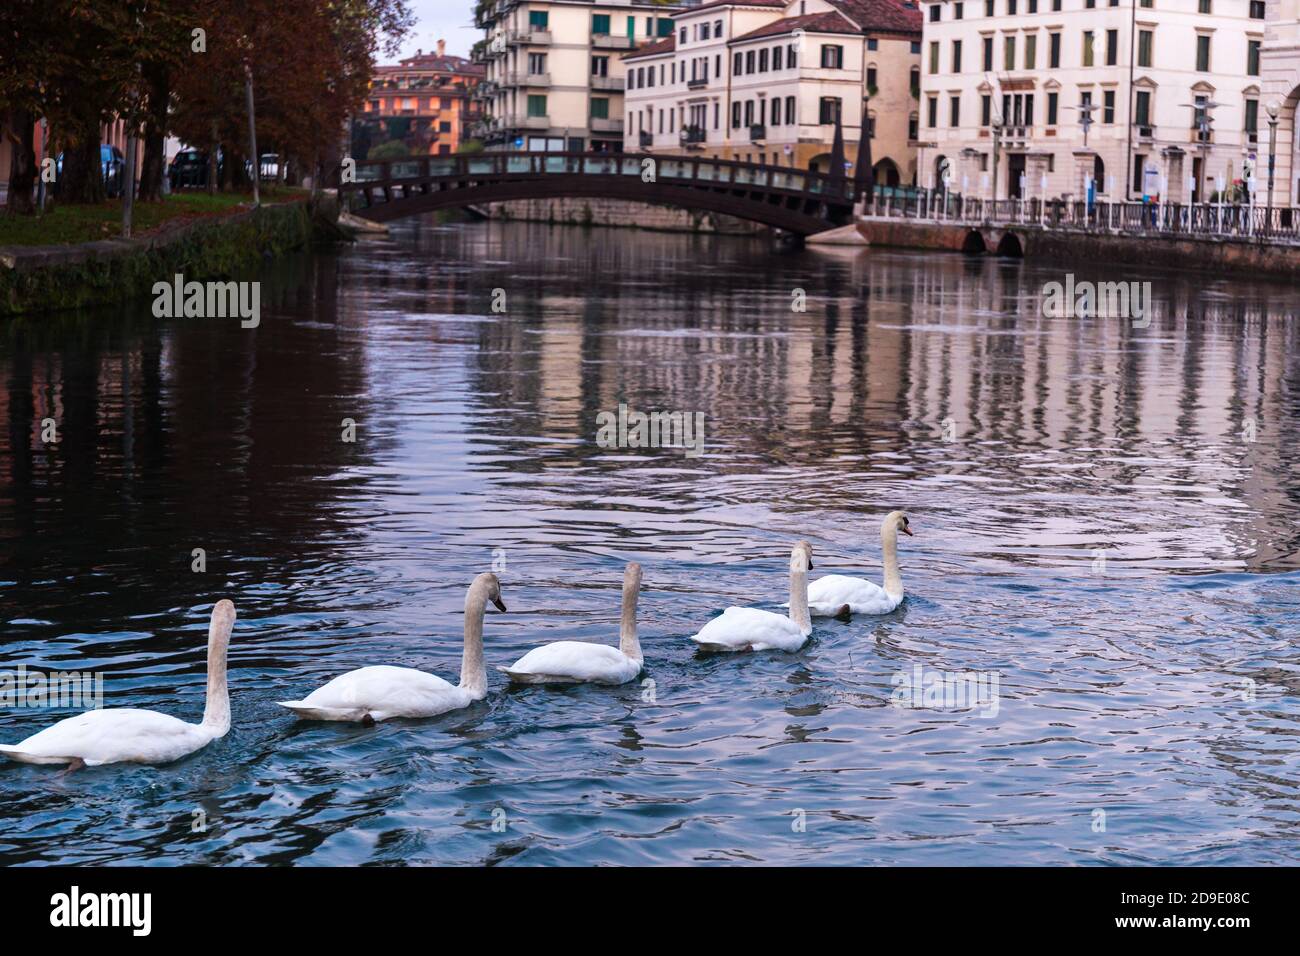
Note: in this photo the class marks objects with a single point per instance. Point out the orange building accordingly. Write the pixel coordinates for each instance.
(424, 101)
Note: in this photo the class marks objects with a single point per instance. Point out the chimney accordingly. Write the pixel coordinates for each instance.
(442, 48)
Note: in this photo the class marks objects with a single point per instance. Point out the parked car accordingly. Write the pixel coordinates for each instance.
(189, 167)
(111, 163)
(268, 169)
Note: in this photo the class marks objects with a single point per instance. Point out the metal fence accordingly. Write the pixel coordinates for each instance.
(1229, 220)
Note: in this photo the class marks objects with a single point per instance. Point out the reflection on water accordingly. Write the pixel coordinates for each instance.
(1106, 521)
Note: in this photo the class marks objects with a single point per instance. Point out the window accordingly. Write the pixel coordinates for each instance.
(934, 57)
(735, 116)
(871, 79)
(704, 31)
(958, 11)
(749, 61)
(1090, 4)
(1252, 120)
(1112, 47)
(599, 107)
(1053, 103)
(749, 112)
(539, 19)
(599, 66)
(536, 64)
(665, 29)
(1033, 6)
(776, 57)
(988, 8)
(1011, 8)
(986, 109)
(988, 55)
(1203, 53)
(934, 13)
(1142, 108)
(717, 29)
(832, 57)
(912, 130)
(1031, 50)
(791, 59)
(1087, 48)
(915, 47)
(650, 76)
(1144, 47)
(932, 111)
(1108, 106)
(536, 104)
(873, 43)
(789, 110)
(914, 83)
(1009, 58)
(681, 36)
(1257, 9)
(776, 111)
(954, 112)
(762, 60)
(828, 110)
(738, 65)
(1056, 6)
(1204, 6)
(600, 25)
(956, 56)
(1139, 172)
(1252, 57)
(1054, 50)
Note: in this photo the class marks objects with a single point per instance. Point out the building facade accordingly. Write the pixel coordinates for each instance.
(1132, 98)
(554, 70)
(425, 101)
(1281, 75)
(764, 81)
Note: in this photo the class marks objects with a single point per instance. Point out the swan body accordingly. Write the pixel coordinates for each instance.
(374, 694)
(578, 662)
(753, 629)
(829, 596)
(131, 735)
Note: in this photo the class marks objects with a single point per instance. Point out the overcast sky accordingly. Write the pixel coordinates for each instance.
(450, 20)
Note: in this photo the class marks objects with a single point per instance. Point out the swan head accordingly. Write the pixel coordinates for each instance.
(223, 620)
(491, 587)
(801, 557)
(896, 521)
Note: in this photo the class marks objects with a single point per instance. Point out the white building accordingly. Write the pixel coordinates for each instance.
(1281, 75)
(764, 80)
(1026, 98)
(555, 71)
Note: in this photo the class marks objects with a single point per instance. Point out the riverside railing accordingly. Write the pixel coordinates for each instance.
(1198, 220)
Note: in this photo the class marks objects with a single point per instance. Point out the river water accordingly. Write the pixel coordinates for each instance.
(1107, 526)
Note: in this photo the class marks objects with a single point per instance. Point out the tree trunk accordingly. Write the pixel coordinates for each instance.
(82, 180)
(22, 165)
(213, 169)
(154, 168)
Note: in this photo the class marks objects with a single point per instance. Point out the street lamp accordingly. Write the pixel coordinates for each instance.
(997, 132)
(1272, 153)
(1204, 123)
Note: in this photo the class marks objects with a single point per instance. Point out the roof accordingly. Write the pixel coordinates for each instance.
(829, 22)
(712, 4)
(432, 63)
(893, 16)
(666, 45)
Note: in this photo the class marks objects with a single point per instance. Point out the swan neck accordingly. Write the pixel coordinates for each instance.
(216, 710)
(627, 640)
(889, 549)
(473, 674)
(799, 597)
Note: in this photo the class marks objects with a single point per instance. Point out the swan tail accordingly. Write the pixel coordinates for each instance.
(721, 648)
(308, 712)
(21, 756)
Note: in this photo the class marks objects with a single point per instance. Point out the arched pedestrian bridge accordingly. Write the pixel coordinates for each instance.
(798, 201)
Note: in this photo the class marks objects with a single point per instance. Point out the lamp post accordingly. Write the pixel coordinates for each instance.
(997, 132)
(1203, 123)
(1272, 154)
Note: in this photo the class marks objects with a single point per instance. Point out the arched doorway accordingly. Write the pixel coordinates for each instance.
(821, 163)
(942, 165)
(886, 173)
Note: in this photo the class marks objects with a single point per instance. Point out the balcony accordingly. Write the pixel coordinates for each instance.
(757, 132)
(693, 136)
(529, 38)
(605, 125)
(1146, 132)
(612, 84)
(646, 139)
(604, 41)
(528, 79)
(695, 83)
(520, 121)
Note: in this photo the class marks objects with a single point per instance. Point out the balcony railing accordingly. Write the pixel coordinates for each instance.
(614, 84)
(693, 135)
(646, 139)
(696, 83)
(757, 133)
(605, 41)
(520, 78)
(521, 121)
(529, 37)
(606, 125)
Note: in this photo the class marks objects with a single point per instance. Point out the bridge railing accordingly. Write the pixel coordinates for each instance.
(1228, 220)
(695, 170)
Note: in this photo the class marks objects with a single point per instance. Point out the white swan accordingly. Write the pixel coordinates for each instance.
(573, 662)
(750, 629)
(127, 735)
(372, 694)
(829, 595)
